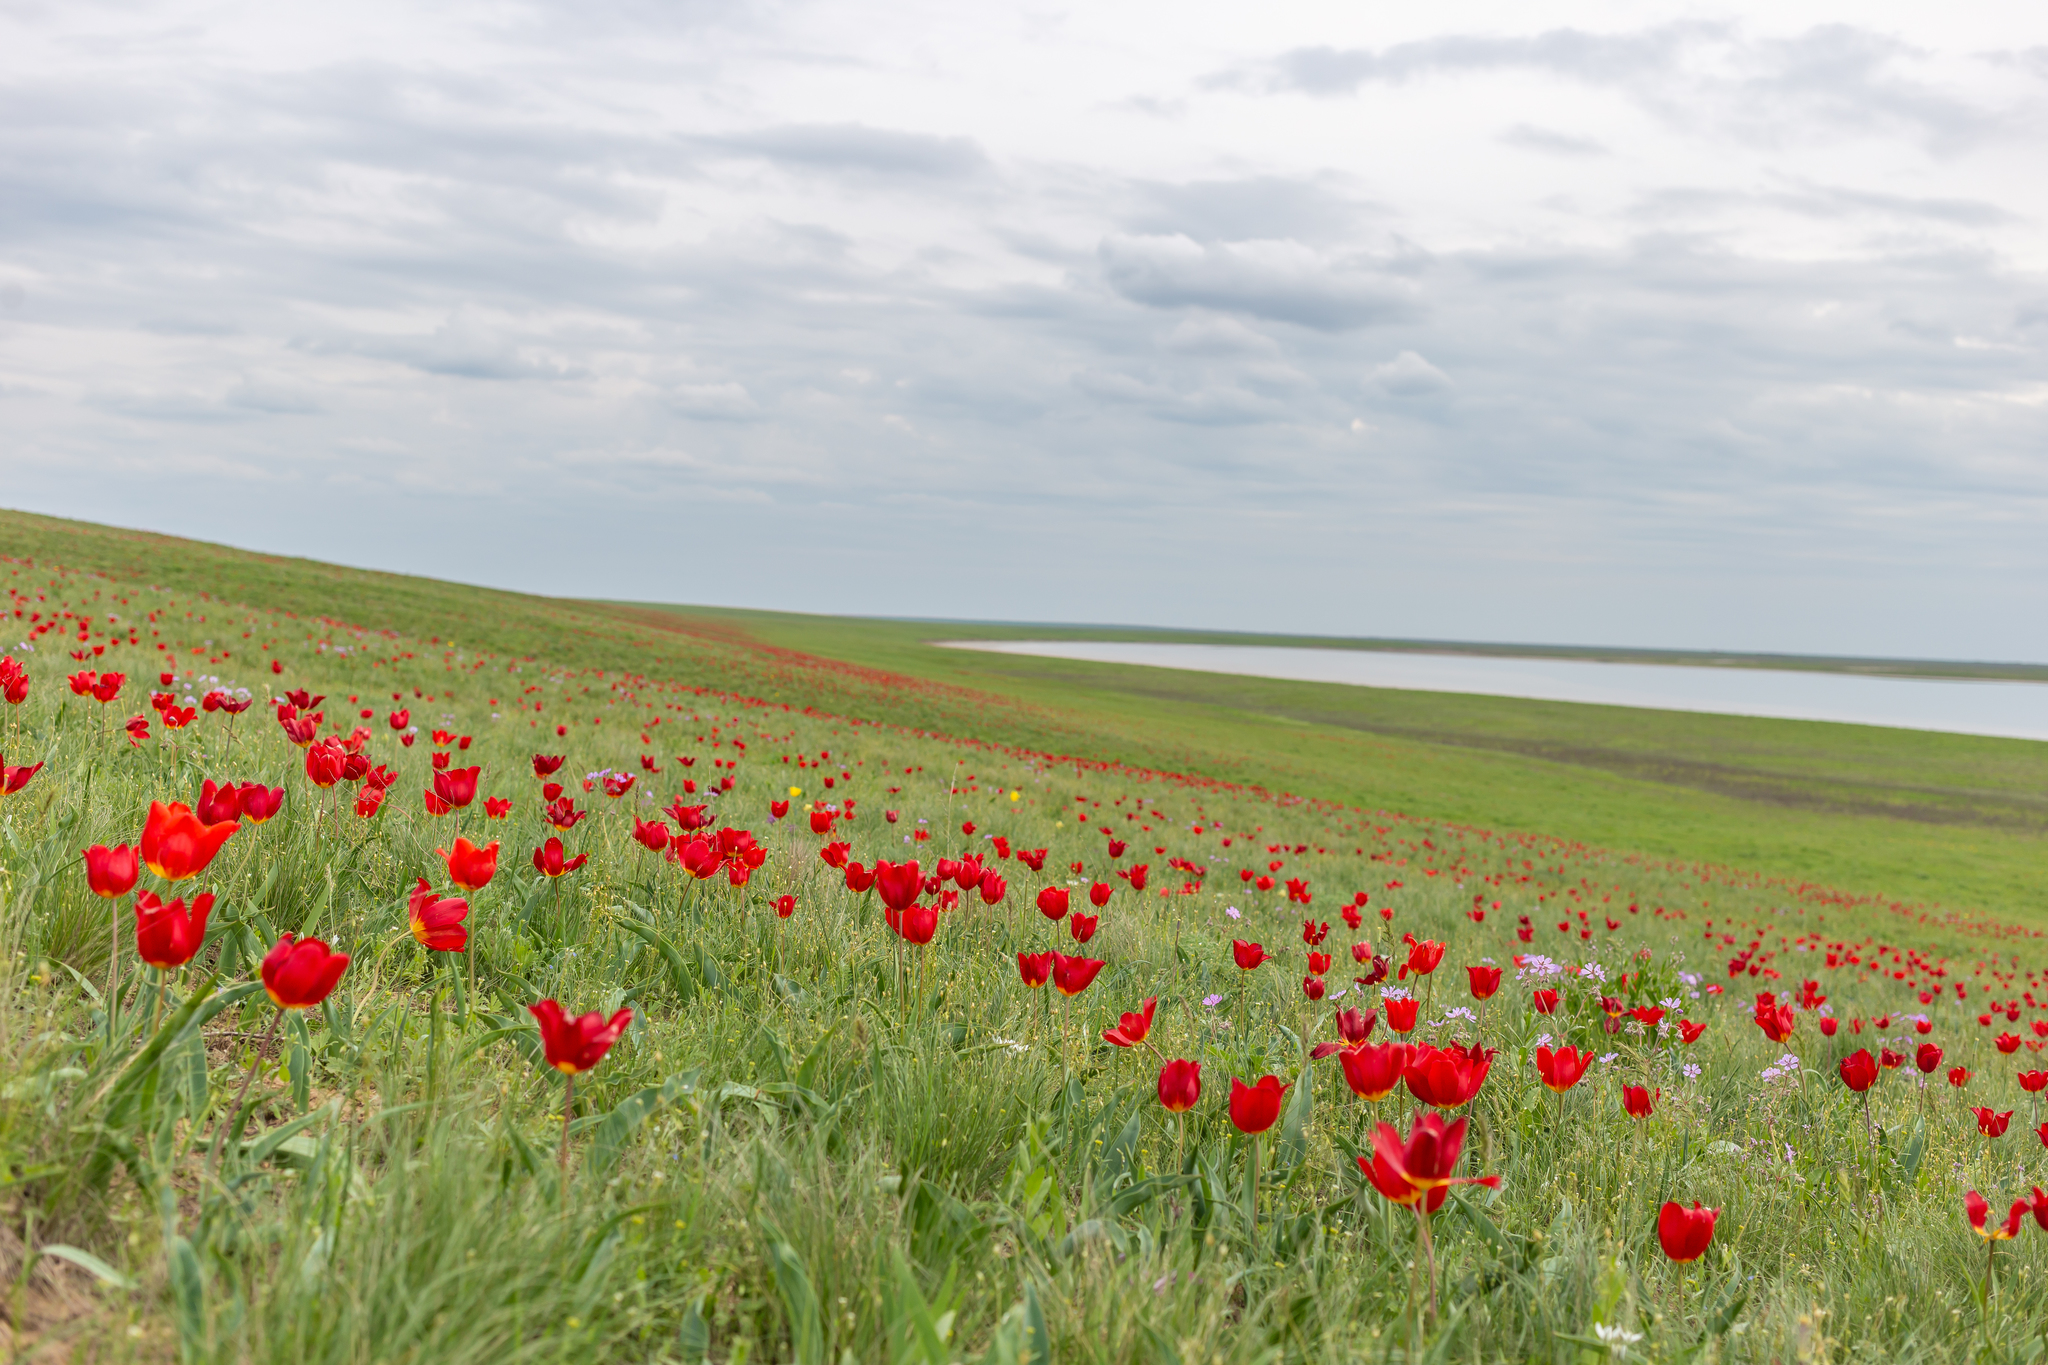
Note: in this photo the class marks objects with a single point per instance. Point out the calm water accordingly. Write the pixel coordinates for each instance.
(2015, 710)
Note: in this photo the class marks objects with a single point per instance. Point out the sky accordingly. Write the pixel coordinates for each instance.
(1715, 327)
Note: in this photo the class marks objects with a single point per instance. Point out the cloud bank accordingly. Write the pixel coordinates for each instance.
(1725, 333)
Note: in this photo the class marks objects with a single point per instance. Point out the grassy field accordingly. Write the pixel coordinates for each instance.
(818, 1140)
(1912, 815)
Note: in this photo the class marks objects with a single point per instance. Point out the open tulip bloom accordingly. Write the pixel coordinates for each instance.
(572, 1047)
(1418, 1173)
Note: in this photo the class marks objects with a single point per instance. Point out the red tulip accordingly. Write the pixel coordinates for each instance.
(470, 867)
(1484, 981)
(1374, 1072)
(1447, 1077)
(1422, 958)
(2030, 1081)
(299, 974)
(574, 1046)
(1689, 1032)
(1098, 894)
(1132, 1029)
(111, 872)
(785, 906)
(400, 719)
(1072, 975)
(1081, 926)
(1545, 1002)
(176, 844)
(1562, 1069)
(1248, 955)
(834, 855)
(436, 922)
(457, 786)
(898, 884)
(13, 780)
(1959, 1076)
(549, 861)
(914, 923)
(821, 821)
(370, 802)
(1638, 1100)
(858, 878)
(1255, 1108)
(1685, 1233)
(1313, 987)
(1417, 1173)
(993, 887)
(1979, 1214)
(1928, 1057)
(260, 804)
(2008, 1043)
(698, 858)
(1180, 1085)
(1401, 1013)
(1890, 1060)
(651, 835)
(1828, 1026)
(13, 681)
(218, 802)
(546, 765)
(165, 935)
(1776, 1021)
(1035, 968)
(1859, 1070)
(1052, 902)
(1355, 1026)
(1990, 1123)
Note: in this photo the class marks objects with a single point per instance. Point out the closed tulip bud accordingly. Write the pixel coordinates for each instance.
(1255, 1108)
(470, 867)
(300, 973)
(1180, 1086)
(1685, 1233)
(1401, 1014)
(1859, 1070)
(1052, 902)
(111, 872)
(166, 934)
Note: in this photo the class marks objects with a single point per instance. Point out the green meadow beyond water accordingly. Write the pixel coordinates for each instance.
(401, 971)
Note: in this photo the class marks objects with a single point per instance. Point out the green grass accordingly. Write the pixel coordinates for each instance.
(817, 1145)
(1957, 820)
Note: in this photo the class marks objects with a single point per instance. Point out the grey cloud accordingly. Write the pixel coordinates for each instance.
(855, 147)
(1282, 281)
(1533, 139)
(1408, 375)
(1837, 76)
(1252, 208)
(278, 399)
(727, 401)
(1600, 58)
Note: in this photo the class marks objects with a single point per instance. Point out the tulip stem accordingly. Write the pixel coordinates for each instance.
(568, 1099)
(1428, 1252)
(114, 977)
(227, 1121)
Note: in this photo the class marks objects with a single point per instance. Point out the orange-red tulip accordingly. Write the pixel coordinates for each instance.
(177, 844)
(299, 974)
(573, 1046)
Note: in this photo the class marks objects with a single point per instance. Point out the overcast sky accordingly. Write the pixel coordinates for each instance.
(1714, 326)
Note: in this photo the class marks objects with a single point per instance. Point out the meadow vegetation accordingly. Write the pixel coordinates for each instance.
(819, 1139)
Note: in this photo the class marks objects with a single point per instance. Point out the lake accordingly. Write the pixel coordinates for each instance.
(2010, 710)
